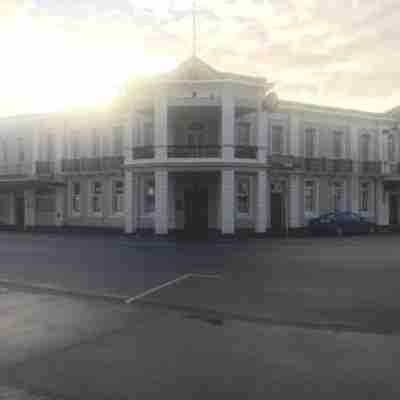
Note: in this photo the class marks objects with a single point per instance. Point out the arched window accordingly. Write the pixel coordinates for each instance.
(365, 147)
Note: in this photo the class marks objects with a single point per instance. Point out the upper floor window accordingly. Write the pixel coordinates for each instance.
(4, 153)
(310, 197)
(75, 144)
(118, 141)
(338, 146)
(391, 148)
(243, 134)
(118, 197)
(148, 134)
(277, 139)
(310, 142)
(95, 143)
(21, 150)
(243, 195)
(149, 194)
(365, 147)
(364, 196)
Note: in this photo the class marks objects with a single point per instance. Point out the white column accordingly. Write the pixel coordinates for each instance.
(228, 123)
(294, 201)
(161, 126)
(131, 201)
(261, 213)
(161, 213)
(11, 219)
(262, 137)
(29, 196)
(60, 205)
(354, 193)
(228, 202)
(128, 136)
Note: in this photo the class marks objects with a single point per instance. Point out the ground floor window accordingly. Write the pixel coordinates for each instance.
(338, 196)
(45, 204)
(310, 197)
(364, 196)
(97, 194)
(3, 207)
(76, 197)
(118, 197)
(243, 195)
(149, 195)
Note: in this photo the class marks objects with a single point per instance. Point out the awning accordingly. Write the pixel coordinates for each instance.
(28, 183)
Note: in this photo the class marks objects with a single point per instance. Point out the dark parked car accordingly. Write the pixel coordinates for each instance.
(340, 223)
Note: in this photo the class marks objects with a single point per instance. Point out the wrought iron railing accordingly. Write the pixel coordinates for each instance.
(249, 152)
(97, 164)
(339, 166)
(209, 151)
(314, 164)
(44, 167)
(281, 161)
(143, 152)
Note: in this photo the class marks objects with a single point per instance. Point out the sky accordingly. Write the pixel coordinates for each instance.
(58, 54)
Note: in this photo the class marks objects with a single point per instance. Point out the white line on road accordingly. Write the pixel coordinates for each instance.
(157, 288)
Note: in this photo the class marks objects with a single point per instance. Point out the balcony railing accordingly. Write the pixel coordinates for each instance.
(98, 164)
(249, 152)
(21, 169)
(44, 167)
(314, 164)
(370, 167)
(210, 151)
(143, 152)
(280, 161)
(339, 166)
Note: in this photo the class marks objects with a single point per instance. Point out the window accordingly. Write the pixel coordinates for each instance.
(243, 132)
(310, 198)
(4, 155)
(310, 145)
(337, 144)
(97, 192)
(21, 150)
(391, 150)
(364, 197)
(75, 145)
(148, 134)
(118, 141)
(45, 204)
(365, 146)
(338, 196)
(118, 197)
(95, 143)
(277, 139)
(149, 195)
(50, 147)
(76, 197)
(243, 195)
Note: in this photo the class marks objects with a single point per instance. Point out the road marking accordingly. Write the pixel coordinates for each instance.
(157, 288)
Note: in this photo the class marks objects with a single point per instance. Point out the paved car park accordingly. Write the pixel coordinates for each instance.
(308, 318)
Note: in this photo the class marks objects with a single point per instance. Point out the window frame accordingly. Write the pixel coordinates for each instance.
(314, 132)
(118, 141)
(312, 212)
(365, 147)
(21, 150)
(146, 180)
(115, 196)
(95, 150)
(362, 191)
(76, 199)
(248, 182)
(99, 196)
(283, 141)
(334, 185)
(338, 133)
(239, 126)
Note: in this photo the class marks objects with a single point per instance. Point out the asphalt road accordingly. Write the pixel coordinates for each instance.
(309, 318)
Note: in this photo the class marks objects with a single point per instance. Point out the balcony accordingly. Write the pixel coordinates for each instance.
(143, 152)
(314, 165)
(210, 151)
(99, 164)
(44, 167)
(370, 167)
(339, 166)
(16, 170)
(279, 161)
(249, 152)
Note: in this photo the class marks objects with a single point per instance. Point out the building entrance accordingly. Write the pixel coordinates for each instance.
(20, 213)
(196, 210)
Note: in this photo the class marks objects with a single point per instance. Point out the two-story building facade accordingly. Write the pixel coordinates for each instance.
(197, 150)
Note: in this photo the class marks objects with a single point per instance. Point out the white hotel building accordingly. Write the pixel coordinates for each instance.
(198, 150)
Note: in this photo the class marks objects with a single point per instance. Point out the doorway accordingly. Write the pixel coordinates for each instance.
(20, 213)
(196, 211)
(393, 209)
(277, 212)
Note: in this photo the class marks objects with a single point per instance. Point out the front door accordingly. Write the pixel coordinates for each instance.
(393, 210)
(20, 213)
(196, 211)
(277, 212)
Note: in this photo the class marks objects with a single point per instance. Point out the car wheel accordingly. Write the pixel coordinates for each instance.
(339, 231)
